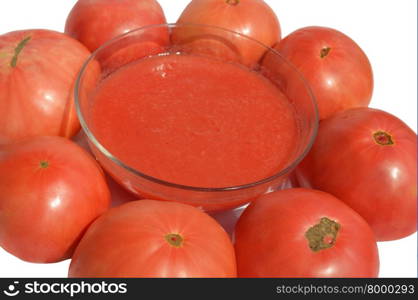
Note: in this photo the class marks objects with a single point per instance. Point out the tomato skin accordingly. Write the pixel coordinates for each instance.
(341, 79)
(37, 93)
(93, 22)
(253, 18)
(378, 181)
(44, 210)
(118, 193)
(130, 241)
(271, 241)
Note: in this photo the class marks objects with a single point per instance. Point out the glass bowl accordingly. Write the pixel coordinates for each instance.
(221, 44)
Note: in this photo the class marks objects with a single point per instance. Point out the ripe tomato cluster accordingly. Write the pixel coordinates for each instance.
(358, 184)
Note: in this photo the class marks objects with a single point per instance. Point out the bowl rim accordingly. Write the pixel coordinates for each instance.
(120, 163)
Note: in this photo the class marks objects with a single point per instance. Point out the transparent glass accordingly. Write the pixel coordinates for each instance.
(202, 40)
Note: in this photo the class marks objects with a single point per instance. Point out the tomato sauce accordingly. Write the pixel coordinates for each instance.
(194, 120)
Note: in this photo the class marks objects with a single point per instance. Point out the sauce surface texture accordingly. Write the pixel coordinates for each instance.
(195, 121)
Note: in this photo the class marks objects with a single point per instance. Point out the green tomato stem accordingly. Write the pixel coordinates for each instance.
(174, 239)
(232, 2)
(322, 235)
(324, 52)
(43, 164)
(383, 138)
(19, 49)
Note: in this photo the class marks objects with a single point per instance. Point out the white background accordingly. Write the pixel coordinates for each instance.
(385, 29)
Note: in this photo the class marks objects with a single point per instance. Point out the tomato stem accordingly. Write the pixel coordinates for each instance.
(383, 138)
(232, 2)
(19, 49)
(325, 51)
(174, 239)
(44, 164)
(322, 235)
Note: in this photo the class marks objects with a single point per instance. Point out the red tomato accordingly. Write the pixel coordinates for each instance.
(253, 18)
(50, 191)
(304, 233)
(368, 159)
(149, 238)
(37, 71)
(118, 193)
(93, 22)
(336, 68)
